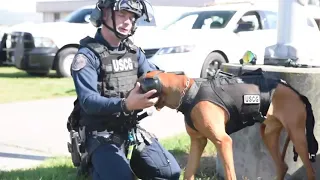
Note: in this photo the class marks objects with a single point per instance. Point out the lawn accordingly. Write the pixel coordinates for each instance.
(61, 168)
(16, 85)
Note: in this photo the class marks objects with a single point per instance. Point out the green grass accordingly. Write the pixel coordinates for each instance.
(61, 168)
(17, 85)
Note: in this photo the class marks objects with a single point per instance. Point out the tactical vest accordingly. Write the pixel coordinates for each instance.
(118, 74)
(228, 91)
(118, 69)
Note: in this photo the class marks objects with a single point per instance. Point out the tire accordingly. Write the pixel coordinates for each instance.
(64, 60)
(215, 58)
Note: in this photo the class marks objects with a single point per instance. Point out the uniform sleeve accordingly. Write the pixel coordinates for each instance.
(84, 73)
(144, 64)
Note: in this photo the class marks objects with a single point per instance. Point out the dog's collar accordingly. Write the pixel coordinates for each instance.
(183, 93)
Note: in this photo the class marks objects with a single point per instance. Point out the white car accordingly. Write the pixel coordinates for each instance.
(217, 34)
(39, 48)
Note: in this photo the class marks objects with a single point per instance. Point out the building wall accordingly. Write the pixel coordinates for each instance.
(54, 16)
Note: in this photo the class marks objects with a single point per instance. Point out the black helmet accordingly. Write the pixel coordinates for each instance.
(138, 7)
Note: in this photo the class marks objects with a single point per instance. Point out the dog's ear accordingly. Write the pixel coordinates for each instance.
(159, 108)
(159, 105)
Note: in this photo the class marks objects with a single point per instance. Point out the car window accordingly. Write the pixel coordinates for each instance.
(310, 23)
(253, 17)
(141, 22)
(214, 19)
(184, 22)
(270, 20)
(78, 16)
(202, 20)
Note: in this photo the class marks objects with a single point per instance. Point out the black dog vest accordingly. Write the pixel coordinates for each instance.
(246, 98)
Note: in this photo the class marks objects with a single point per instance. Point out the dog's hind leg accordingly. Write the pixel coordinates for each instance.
(291, 111)
(296, 132)
(270, 133)
(209, 120)
(198, 143)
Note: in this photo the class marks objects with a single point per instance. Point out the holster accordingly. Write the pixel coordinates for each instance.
(74, 148)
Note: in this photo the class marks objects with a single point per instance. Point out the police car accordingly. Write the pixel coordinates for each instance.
(217, 34)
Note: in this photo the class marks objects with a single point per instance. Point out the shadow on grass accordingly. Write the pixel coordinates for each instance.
(42, 173)
(71, 91)
(207, 169)
(23, 156)
(62, 169)
(16, 73)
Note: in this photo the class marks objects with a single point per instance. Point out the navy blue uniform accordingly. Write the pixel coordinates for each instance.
(108, 160)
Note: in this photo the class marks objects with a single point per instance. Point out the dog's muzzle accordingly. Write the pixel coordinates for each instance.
(147, 84)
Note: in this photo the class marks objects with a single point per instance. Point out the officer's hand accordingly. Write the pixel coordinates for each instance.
(136, 100)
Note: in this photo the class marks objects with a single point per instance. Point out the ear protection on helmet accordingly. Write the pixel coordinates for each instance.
(147, 84)
(95, 17)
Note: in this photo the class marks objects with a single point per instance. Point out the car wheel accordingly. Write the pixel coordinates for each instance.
(211, 64)
(65, 58)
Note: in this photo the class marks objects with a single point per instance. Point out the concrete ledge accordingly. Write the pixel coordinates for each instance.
(251, 158)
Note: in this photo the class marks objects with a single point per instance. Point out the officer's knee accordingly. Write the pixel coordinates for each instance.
(156, 162)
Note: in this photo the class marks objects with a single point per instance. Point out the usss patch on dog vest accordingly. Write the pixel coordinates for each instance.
(79, 62)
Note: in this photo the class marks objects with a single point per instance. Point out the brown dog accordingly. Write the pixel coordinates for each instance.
(212, 112)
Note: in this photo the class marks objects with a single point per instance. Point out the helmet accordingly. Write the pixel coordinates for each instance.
(138, 7)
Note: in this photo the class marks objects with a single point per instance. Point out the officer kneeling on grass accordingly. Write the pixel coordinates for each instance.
(104, 70)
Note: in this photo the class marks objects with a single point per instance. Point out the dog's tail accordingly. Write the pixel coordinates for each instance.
(285, 147)
(312, 142)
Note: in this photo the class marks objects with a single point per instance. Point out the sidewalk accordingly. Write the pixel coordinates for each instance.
(37, 129)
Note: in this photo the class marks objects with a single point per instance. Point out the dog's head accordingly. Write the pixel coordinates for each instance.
(167, 84)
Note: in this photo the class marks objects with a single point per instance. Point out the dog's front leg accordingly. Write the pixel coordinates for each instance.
(197, 145)
(223, 143)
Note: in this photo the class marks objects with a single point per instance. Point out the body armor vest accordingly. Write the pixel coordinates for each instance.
(228, 91)
(118, 69)
(118, 74)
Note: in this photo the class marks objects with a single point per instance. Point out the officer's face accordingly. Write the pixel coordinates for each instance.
(124, 21)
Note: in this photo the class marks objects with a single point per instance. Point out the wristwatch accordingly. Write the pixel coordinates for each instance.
(125, 111)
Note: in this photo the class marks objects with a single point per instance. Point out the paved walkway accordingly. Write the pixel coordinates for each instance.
(31, 131)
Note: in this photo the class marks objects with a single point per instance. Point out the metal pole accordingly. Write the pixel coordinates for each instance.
(292, 36)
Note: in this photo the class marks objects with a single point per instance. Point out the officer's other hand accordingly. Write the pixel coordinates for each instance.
(136, 100)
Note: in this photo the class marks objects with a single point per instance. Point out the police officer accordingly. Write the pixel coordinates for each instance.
(104, 70)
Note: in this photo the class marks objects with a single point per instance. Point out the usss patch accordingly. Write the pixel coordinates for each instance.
(79, 62)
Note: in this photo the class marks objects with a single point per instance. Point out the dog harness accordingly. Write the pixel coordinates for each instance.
(246, 98)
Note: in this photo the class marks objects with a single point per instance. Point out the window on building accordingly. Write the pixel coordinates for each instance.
(56, 16)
